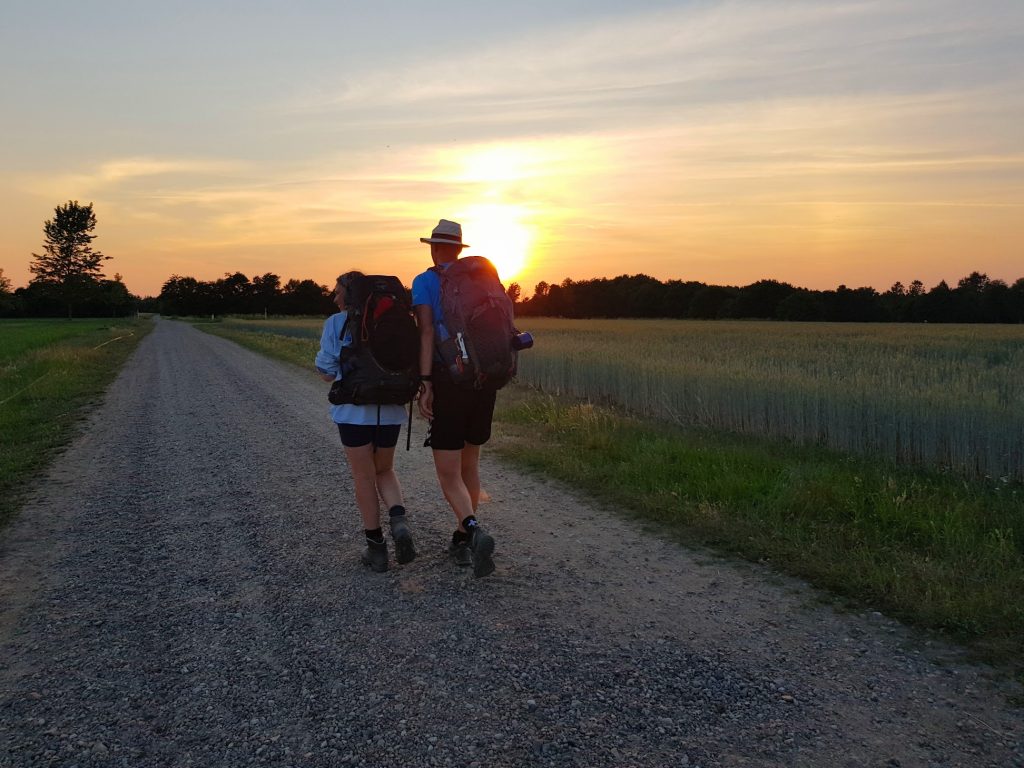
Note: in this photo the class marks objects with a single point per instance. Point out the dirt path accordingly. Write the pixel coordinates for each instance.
(185, 590)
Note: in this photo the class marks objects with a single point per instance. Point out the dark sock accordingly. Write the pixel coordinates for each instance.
(376, 535)
(398, 509)
(469, 522)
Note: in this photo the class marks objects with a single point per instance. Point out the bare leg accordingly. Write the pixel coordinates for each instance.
(448, 465)
(386, 480)
(364, 475)
(470, 466)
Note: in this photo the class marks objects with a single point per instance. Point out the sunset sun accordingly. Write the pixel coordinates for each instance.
(498, 232)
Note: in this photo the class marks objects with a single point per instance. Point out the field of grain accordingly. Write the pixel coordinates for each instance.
(935, 395)
(948, 396)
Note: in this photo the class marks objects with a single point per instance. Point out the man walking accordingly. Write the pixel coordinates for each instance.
(460, 417)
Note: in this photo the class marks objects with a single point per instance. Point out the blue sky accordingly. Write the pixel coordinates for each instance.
(821, 143)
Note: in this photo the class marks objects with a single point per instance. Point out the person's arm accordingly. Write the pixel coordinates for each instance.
(327, 358)
(425, 321)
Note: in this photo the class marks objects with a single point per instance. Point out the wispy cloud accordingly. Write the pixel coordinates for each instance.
(703, 52)
(119, 171)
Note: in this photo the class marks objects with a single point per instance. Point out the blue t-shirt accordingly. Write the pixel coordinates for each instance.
(426, 289)
(327, 362)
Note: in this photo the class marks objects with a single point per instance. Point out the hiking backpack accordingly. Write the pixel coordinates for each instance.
(478, 315)
(381, 365)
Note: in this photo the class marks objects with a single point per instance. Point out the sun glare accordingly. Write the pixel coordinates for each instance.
(497, 232)
(498, 164)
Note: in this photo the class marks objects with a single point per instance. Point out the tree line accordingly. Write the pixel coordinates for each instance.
(236, 294)
(975, 299)
(68, 280)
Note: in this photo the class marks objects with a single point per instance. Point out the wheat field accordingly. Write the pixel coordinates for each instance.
(950, 396)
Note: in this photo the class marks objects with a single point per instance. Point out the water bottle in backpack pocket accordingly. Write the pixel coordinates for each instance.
(455, 355)
(522, 340)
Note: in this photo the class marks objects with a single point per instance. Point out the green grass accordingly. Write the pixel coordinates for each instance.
(931, 548)
(50, 372)
(928, 548)
(288, 339)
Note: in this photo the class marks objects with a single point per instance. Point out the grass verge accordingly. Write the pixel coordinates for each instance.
(290, 349)
(50, 372)
(930, 549)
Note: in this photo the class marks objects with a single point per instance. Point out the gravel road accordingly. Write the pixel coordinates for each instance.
(184, 590)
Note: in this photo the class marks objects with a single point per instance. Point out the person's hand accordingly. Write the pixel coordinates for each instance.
(426, 400)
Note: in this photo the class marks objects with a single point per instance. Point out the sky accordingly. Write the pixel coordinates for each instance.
(818, 142)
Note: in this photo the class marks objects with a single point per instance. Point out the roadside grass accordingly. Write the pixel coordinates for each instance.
(50, 372)
(930, 549)
(293, 341)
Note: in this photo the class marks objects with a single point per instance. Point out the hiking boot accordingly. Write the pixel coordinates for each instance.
(459, 552)
(481, 547)
(376, 556)
(405, 552)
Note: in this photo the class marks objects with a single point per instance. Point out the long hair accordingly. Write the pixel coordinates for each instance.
(345, 280)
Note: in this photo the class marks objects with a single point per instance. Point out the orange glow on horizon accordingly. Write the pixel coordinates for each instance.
(499, 234)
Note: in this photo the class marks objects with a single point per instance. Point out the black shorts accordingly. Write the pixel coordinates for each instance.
(461, 415)
(358, 435)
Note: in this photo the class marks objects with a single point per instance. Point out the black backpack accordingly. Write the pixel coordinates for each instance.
(478, 315)
(381, 366)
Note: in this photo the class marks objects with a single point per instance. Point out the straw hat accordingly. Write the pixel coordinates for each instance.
(449, 232)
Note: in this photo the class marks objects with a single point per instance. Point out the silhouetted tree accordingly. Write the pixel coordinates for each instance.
(114, 299)
(937, 305)
(266, 293)
(514, 291)
(537, 303)
(967, 298)
(234, 294)
(845, 305)
(305, 297)
(996, 302)
(675, 301)
(710, 301)
(68, 260)
(1016, 302)
(760, 299)
(894, 302)
(802, 305)
(186, 296)
(7, 300)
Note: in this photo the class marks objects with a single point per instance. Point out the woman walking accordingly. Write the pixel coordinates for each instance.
(369, 434)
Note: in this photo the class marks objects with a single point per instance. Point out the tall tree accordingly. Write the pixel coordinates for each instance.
(6, 296)
(514, 291)
(266, 292)
(68, 260)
